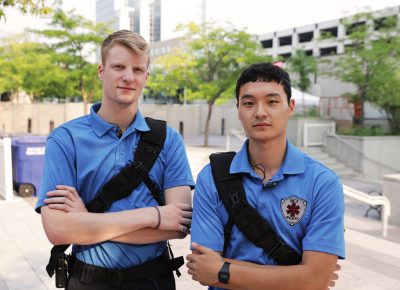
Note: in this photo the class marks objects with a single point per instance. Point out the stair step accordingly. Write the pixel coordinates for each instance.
(333, 164)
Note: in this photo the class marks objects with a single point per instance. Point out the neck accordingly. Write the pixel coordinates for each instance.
(269, 154)
(119, 115)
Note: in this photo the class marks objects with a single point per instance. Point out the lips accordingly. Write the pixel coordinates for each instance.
(262, 125)
(126, 88)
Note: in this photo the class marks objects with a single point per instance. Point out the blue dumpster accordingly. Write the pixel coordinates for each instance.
(27, 159)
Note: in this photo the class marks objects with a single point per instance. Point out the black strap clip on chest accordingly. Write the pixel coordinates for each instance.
(244, 216)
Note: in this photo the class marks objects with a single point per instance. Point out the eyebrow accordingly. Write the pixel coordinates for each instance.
(269, 95)
(116, 63)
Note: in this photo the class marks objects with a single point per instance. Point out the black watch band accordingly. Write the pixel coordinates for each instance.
(223, 274)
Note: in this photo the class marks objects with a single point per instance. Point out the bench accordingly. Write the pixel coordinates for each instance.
(373, 201)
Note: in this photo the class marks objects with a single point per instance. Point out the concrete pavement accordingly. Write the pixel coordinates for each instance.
(372, 262)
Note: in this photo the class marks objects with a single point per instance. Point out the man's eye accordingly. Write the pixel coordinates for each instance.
(247, 104)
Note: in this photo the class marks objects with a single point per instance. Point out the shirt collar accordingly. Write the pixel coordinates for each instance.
(294, 160)
(292, 164)
(240, 163)
(101, 127)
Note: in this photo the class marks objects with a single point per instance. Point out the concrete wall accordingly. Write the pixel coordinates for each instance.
(14, 117)
(378, 156)
(391, 189)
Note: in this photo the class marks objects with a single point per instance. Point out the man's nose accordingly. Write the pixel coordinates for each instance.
(128, 76)
(261, 111)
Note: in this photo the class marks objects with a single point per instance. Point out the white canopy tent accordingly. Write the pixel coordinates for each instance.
(308, 99)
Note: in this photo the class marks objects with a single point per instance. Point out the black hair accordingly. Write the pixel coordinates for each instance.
(264, 72)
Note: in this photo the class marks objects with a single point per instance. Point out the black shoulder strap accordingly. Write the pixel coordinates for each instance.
(149, 147)
(122, 184)
(243, 215)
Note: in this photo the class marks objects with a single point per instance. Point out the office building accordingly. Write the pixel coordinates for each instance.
(141, 16)
(327, 39)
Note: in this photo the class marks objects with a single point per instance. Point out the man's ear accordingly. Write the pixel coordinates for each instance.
(292, 105)
(100, 71)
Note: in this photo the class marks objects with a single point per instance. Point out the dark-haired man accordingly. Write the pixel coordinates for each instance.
(301, 200)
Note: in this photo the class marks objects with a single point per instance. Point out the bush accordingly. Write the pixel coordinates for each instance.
(367, 130)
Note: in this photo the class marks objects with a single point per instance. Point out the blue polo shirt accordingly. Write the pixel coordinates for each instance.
(305, 208)
(85, 153)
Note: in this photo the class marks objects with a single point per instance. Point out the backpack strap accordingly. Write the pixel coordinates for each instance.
(124, 182)
(258, 231)
(149, 147)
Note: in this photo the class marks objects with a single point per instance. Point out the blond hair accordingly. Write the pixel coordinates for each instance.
(127, 38)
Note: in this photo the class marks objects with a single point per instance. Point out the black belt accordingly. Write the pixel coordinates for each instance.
(88, 274)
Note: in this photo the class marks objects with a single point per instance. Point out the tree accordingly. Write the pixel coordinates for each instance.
(371, 63)
(25, 6)
(75, 39)
(208, 67)
(303, 66)
(30, 67)
(385, 91)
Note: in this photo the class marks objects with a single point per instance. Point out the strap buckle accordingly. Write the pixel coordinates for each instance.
(274, 247)
(283, 254)
(87, 274)
(139, 168)
(115, 278)
(236, 200)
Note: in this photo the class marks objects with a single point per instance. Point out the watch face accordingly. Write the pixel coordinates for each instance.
(223, 274)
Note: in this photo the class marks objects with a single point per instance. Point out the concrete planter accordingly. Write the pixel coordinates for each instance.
(371, 156)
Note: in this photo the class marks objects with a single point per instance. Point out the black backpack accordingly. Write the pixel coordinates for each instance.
(244, 216)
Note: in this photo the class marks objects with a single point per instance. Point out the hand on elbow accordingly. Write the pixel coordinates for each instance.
(174, 217)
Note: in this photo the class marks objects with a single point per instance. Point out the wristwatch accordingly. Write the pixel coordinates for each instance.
(223, 274)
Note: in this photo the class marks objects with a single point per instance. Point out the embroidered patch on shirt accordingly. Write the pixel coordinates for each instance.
(293, 209)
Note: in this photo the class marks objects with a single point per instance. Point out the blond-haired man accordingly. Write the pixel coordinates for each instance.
(124, 247)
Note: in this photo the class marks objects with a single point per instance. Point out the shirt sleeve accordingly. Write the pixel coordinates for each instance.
(325, 232)
(207, 223)
(177, 170)
(58, 168)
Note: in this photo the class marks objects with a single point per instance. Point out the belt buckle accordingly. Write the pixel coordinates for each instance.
(115, 278)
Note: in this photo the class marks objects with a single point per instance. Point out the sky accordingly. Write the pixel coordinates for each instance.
(256, 16)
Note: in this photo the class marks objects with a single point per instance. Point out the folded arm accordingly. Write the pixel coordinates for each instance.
(180, 194)
(315, 272)
(67, 221)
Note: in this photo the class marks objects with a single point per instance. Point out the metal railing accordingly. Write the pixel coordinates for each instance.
(314, 133)
(383, 201)
(6, 185)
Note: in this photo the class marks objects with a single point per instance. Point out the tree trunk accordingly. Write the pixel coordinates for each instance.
(393, 114)
(362, 101)
(363, 95)
(207, 126)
